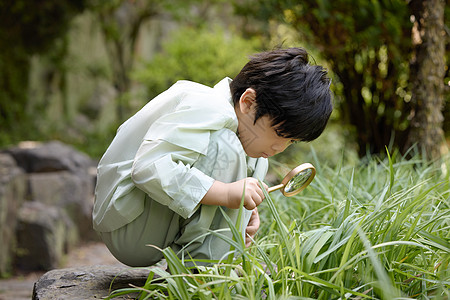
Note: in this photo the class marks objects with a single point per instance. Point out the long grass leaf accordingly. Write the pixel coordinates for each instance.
(391, 171)
(386, 287)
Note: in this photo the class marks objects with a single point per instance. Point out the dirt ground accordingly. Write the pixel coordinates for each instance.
(20, 286)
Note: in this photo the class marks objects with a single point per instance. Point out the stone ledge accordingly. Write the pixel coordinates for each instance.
(89, 282)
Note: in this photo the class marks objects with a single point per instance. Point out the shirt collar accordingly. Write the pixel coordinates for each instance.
(223, 88)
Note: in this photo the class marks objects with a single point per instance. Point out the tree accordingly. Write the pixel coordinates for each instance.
(120, 22)
(26, 28)
(427, 76)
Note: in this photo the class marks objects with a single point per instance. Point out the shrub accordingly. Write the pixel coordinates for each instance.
(201, 55)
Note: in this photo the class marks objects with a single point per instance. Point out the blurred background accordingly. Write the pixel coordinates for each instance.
(74, 70)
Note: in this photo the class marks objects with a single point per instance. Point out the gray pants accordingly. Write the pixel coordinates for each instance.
(161, 227)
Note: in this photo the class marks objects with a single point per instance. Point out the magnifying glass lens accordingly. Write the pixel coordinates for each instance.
(298, 181)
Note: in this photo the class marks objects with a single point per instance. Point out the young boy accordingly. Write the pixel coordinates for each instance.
(194, 148)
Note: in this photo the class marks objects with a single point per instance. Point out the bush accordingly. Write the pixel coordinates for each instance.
(201, 55)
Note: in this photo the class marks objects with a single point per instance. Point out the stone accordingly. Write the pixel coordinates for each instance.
(61, 176)
(44, 234)
(46, 201)
(69, 192)
(35, 157)
(12, 195)
(88, 282)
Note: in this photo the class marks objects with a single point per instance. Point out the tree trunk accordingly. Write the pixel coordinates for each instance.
(427, 77)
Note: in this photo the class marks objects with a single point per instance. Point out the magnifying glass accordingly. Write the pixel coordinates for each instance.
(296, 180)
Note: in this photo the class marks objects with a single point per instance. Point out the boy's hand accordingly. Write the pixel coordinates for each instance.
(252, 227)
(253, 193)
(230, 194)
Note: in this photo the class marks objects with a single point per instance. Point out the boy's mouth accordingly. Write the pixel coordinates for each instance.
(265, 155)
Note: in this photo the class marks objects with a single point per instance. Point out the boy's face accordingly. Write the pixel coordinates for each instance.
(258, 139)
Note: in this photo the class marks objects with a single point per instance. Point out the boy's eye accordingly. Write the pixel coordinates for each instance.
(278, 133)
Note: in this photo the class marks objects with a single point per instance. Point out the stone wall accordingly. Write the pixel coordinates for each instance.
(46, 199)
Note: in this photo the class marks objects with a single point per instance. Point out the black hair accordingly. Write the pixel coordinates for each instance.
(293, 93)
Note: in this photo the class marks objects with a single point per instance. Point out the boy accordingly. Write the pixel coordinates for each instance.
(195, 148)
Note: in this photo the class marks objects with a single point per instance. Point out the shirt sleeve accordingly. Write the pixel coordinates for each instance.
(163, 171)
(162, 167)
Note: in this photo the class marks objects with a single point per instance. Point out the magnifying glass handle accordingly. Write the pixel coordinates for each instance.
(275, 187)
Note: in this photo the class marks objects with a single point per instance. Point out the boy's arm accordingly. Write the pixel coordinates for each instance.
(163, 171)
(230, 194)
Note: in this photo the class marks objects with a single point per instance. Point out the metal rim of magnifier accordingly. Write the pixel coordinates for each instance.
(292, 173)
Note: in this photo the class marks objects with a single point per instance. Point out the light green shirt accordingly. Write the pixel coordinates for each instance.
(153, 153)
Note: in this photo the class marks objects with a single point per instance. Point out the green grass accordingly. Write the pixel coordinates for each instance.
(376, 231)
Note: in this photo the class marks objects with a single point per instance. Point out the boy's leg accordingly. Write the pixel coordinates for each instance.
(130, 244)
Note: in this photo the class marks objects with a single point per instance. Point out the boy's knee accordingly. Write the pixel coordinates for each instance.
(145, 258)
(132, 255)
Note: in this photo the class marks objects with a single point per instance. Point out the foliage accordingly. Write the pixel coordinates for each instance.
(122, 22)
(368, 45)
(201, 55)
(330, 149)
(27, 28)
(379, 231)
(33, 26)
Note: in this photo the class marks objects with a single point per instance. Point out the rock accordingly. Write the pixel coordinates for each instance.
(53, 156)
(69, 192)
(44, 233)
(89, 282)
(52, 186)
(61, 176)
(12, 195)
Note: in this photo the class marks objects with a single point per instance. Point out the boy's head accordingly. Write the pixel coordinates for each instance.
(294, 95)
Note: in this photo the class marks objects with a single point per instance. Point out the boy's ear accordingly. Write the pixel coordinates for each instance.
(247, 102)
